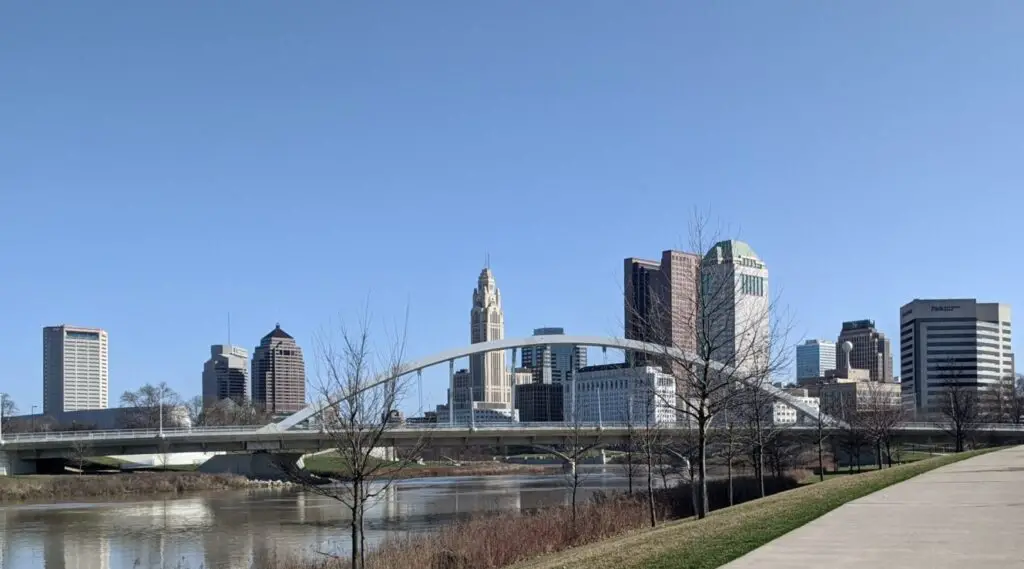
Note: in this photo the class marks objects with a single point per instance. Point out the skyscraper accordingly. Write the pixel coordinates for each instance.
(953, 340)
(660, 303)
(734, 288)
(554, 363)
(278, 373)
(814, 358)
(75, 370)
(225, 374)
(487, 323)
(871, 350)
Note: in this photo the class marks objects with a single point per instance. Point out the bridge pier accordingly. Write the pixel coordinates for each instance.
(11, 465)
(256, 466)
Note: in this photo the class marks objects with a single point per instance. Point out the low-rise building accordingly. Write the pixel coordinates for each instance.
(540, 402)
(618, 393)
(785, 414)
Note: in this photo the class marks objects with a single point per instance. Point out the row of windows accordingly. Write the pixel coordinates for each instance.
(751, 285)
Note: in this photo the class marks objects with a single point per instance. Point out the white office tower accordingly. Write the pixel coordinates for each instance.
(953, 340)
(226, 374)
(734, 294)
(617, 393)
(75, 372)
(487, 323)
(814, 358)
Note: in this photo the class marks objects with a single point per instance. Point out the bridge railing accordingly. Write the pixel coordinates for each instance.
(255, 431)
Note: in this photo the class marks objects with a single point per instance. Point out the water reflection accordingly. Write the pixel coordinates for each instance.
(232, 530)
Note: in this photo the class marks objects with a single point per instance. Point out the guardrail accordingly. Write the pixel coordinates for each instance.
(256, 433)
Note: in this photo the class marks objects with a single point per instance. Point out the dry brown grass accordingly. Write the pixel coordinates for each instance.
(505, 539)
(69, 486)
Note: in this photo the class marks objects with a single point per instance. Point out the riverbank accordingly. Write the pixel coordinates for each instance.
(330, 466)
(52, 488)
(506, 539)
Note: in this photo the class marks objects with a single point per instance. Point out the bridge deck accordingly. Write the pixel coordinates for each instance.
(968, 514)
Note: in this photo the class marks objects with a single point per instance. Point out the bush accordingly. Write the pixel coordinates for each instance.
(66, 487)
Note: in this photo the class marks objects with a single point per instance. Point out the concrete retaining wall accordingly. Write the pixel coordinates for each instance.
(257, 466)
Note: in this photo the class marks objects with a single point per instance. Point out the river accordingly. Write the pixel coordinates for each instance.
(231, 530)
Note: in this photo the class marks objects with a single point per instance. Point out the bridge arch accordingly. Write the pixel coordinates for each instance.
(530, 341)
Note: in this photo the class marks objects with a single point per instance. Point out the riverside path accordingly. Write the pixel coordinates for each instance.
(969, 514)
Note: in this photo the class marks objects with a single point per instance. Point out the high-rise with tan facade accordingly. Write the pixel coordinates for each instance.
(279, 374)
(661, 300)
(75, 369)
(871, 350)
(487, 323)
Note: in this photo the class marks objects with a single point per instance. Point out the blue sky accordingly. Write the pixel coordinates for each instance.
(157, 160)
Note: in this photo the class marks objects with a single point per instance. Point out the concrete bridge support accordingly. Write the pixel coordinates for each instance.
(256, 466)
(11, 465)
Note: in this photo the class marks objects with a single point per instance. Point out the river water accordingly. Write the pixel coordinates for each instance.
(231, 530)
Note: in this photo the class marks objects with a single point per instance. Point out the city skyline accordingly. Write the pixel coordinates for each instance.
(362, 181)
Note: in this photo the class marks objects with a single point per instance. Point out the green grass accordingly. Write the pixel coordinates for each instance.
(732, 532)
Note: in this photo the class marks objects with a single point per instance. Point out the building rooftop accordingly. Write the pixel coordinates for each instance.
(731, 249)
(277, 332)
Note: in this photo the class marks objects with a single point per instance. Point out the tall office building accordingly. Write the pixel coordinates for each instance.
(871, 350)
(225, 374)
(553, 363)
(734, 286)
(75, 371)
(814, 358)
(660, 300)
(487, 323)
(278, 373)
(952, 340)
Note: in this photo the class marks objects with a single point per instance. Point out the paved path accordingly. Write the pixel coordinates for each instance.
(968, 515)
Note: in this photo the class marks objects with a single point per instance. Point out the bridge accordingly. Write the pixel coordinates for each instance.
(293, 436)
(24, 452)
(515, 344)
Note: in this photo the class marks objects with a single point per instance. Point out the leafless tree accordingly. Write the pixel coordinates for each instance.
(959, 406)
(852, 437)
(580, 441)
(732, 342)
(228, 412)
(646, 433)
(729, 439)
(359, 392)
(143, 408)
(78, 454)
(821, 435)
(196, 411)
(632, 467)
(881, 414)
(8, 409)
(756, 409)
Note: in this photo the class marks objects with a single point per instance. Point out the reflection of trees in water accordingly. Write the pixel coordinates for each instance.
(232, 530)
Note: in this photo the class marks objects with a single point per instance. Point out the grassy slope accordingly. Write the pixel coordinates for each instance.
(728, 534)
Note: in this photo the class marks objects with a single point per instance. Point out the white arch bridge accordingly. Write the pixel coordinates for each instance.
(515, 344)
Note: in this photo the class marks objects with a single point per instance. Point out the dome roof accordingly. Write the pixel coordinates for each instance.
(731, 249)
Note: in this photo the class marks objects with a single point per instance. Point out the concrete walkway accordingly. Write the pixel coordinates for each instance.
(968, 515)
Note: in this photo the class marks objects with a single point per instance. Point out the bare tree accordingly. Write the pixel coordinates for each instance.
(359, 392)
(729, 444)
(235, 412)
(821, 435)
(196, 411)
(573, 450)
(756, 409)
(79, 453)
(632, 467)
(881, 414)
(144, 408)
(841, 403)
(8, 409)
(734, 340)
(958, 404)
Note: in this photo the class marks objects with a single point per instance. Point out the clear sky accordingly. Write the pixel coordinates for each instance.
(165, 163)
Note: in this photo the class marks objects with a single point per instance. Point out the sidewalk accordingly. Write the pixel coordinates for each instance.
(968, 515)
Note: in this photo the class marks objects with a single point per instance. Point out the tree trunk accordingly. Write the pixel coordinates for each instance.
(729, 475)
(702, 470)
(357, 541)
(878, 453)
(821, 461)
(650, 488)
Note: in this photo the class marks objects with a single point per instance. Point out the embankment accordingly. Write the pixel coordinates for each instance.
(74, 487)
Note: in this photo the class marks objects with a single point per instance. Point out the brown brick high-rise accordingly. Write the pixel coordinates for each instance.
(279, 374)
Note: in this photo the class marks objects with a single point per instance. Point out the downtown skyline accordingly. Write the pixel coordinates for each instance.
(332, 183)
